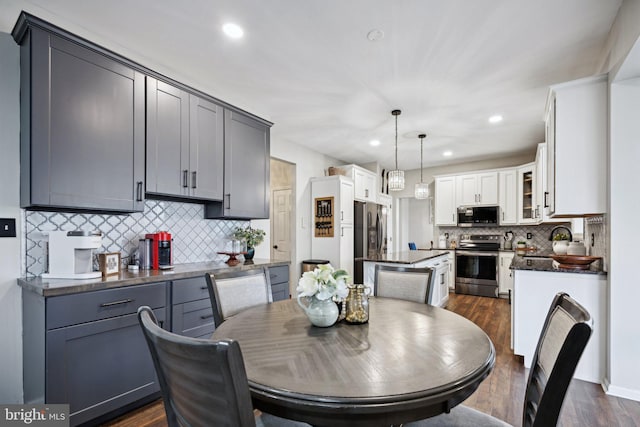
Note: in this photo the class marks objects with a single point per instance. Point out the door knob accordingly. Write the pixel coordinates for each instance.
(275, 246)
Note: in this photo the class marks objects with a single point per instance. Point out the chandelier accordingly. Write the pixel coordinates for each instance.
(422, 189)
(396, 176)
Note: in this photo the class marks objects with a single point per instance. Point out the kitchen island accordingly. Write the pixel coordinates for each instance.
(436, 259)
(536, 281)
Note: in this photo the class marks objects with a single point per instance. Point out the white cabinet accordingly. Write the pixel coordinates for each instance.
(576, 132)
(364, 181)
(477, 189)
(505, 275)
(446, 201)
(508, 196)
(532, 296)
(452, 269)
(332, 220)
(541, 196)
(526, 194)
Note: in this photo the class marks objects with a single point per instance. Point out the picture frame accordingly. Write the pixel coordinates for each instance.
(109, 263)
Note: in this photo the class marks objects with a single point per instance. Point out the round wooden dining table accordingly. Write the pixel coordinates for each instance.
(410, 361)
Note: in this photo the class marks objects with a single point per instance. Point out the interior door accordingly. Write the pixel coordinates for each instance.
(281, 224)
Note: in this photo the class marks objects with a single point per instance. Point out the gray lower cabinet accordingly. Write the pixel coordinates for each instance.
(279, 277)
(192, 312)
(246, 169)
(82, 130)
(88, 349)
(184, 143)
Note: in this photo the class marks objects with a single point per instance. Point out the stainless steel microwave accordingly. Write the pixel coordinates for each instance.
(478, 216)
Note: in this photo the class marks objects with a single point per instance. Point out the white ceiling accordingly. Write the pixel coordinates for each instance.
(309, 67)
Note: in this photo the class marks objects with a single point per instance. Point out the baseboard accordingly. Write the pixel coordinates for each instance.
(623, 392)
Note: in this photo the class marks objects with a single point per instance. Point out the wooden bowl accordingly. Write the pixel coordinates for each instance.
(574, 262)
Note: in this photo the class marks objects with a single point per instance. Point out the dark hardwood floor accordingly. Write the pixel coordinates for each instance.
(501, 394)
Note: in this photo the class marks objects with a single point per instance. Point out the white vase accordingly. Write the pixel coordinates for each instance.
(560, 247)
(576, 248)
(321, 313)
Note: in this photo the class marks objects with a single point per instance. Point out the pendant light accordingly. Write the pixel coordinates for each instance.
(396, 177)
(422, 188)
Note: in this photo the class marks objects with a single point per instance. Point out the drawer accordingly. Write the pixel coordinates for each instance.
(193, 319)
(279, 274)
(280, 291)
(192, 289)
(66, 310)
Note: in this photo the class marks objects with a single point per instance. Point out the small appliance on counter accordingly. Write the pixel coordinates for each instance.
(161, 251)
(71, 254)
(443, 241)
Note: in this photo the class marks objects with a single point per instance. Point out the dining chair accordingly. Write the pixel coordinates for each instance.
(412, 246)
(232, 292)
(203, 382)
(411, 284)
(564, 336)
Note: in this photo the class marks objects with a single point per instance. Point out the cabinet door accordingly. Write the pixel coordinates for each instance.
(466, 190)
(99, 366)
(508, 197)
(370, 186)
(206, 147)
(346, 248)
(346, 202)
(167, 139)
(83, 128)
(446, 201)
(505, 274)
(526, 192)
(246, 169)
(488, 188)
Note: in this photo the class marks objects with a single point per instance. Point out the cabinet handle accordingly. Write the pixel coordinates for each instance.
(139, 191)
(341, 215)
(202, 288)
(161, 324)
(341, 231)
(503, 215)
(208, 316)
(227, 201)
(185, 178)
(453, 217)
(193, 179)
(537, 211)
(109, 304)
(479, 198)
(442, 279)
(546, 199)
(366, 193)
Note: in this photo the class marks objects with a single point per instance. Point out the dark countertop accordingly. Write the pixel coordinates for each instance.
(547, 264)
(54, 287)
(407, 257)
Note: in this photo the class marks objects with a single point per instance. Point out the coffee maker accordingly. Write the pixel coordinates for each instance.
(71, 254)
(161, 253)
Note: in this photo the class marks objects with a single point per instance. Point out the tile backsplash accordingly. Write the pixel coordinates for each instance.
(539, 233)
(195, 239)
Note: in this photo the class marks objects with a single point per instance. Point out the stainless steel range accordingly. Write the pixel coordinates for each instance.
(477, 265)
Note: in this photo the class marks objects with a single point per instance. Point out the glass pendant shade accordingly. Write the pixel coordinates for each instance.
(396, 180)
(396, 177)
(422, 190)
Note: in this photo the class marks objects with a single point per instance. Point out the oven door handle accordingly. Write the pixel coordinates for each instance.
(475, 253)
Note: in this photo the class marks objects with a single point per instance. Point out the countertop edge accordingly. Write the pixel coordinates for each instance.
(412, 257)
(56, 287)
(546, 265)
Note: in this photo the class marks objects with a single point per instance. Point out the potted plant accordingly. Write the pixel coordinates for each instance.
(251, 236)
(560, 243)
(319, 288)
(521, 244)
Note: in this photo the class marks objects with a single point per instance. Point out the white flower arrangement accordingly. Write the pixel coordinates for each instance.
(323, 283)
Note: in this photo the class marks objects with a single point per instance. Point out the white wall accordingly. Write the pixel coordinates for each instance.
(10, 248)
(309, 164)
(624, 153)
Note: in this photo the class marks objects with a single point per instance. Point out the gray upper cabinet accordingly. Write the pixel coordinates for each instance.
(184, 143)
(246, 169)
(82, 126)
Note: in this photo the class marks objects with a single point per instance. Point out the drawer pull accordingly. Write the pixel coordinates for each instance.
(203, 288)
(109, 304)
(209, 316)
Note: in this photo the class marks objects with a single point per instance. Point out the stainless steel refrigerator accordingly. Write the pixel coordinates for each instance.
(370, 235)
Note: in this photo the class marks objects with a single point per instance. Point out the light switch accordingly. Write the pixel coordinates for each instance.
(7, 227)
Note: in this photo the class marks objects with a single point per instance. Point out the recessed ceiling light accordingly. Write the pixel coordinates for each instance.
(375, 35)
(232, 30)
(447, 153)
(374, 143)
(495, 119)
